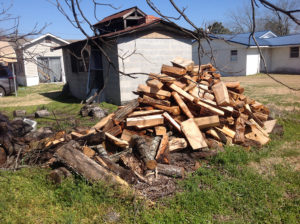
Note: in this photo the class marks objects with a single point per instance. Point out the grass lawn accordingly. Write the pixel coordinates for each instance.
(237, 186)
(48, 96)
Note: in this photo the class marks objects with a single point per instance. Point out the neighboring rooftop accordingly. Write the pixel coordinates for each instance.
(264, 38)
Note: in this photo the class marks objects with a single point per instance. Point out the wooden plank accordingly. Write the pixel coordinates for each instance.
(196, 92)
(122, 113)
(239, 90)
(150, 120)
(221, 94)
(261, 116)
(172, 121)
(252, 121)
(232, 84)
(150, 101)
(145, 112)
(162, 77)
(183, 63)
(208, 96)
(174, 110)
(190, 87)
(118, 142)
(227, 131)
(257, 135)
(154, 83)
(102, 122)
(249, 112)
(179, 84)
(76, 135)
(240, 131)
(170, 70)
(211, 108)
(115, 131)
(148, 89)
(127, 134)
(88, 151)
(190, 80)
(193, 134)
(160, 130)
(176, 144)
(269, 125)
(182, 105)
(182, 92)
(206, 122)
(163, 150)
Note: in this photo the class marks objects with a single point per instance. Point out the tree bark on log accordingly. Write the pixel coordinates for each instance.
(125, 174)
(139, 143)
(122, 113)
(239, 131)
(86, 167)
(132, 163)
(93, 138)
(170, 170)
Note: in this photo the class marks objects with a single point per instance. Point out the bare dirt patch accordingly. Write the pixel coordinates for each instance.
(266, 166)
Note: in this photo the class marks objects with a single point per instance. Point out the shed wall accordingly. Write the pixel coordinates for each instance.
(147, 54)
(77, 81)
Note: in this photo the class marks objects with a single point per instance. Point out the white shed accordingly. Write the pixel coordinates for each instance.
(237, 55)
(136, 43)
(38, 63)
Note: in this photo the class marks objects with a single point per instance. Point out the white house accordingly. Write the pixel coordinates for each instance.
(38, 63)
(238, 55)
(136, 43)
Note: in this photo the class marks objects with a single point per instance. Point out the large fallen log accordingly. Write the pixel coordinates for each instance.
(69, 155)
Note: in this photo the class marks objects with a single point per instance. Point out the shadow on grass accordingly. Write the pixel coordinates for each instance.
(60, 97)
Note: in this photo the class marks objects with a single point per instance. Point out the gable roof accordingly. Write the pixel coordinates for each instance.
(120, 14)
(43, 36)
(150, 22)
(264, 38)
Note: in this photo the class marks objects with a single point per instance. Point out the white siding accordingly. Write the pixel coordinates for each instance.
(282, 63)
(221, 51)
(40, 49)
(149, 55)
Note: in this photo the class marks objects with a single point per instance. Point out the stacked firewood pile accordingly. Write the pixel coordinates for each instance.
(183, 114)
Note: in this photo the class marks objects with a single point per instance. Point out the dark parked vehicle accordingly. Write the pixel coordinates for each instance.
(6, 81)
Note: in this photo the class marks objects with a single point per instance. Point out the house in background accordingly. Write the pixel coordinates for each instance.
(135, 42)
(38, 63)
(238, 55)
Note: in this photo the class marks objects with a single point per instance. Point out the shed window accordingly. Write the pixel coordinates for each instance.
(294, 53)
(233, 55)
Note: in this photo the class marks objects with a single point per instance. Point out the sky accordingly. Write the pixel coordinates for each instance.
(41, 12)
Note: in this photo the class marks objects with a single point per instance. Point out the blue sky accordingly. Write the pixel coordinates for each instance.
(40, 12)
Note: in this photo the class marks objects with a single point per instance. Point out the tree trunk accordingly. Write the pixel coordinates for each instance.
(83, 165)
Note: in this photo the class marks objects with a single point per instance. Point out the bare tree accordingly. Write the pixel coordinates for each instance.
(73, 12)
(267, 17)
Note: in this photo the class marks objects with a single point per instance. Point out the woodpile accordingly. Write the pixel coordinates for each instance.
(181, 115)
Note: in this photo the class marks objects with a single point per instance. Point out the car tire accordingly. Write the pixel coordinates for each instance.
(2, 92)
